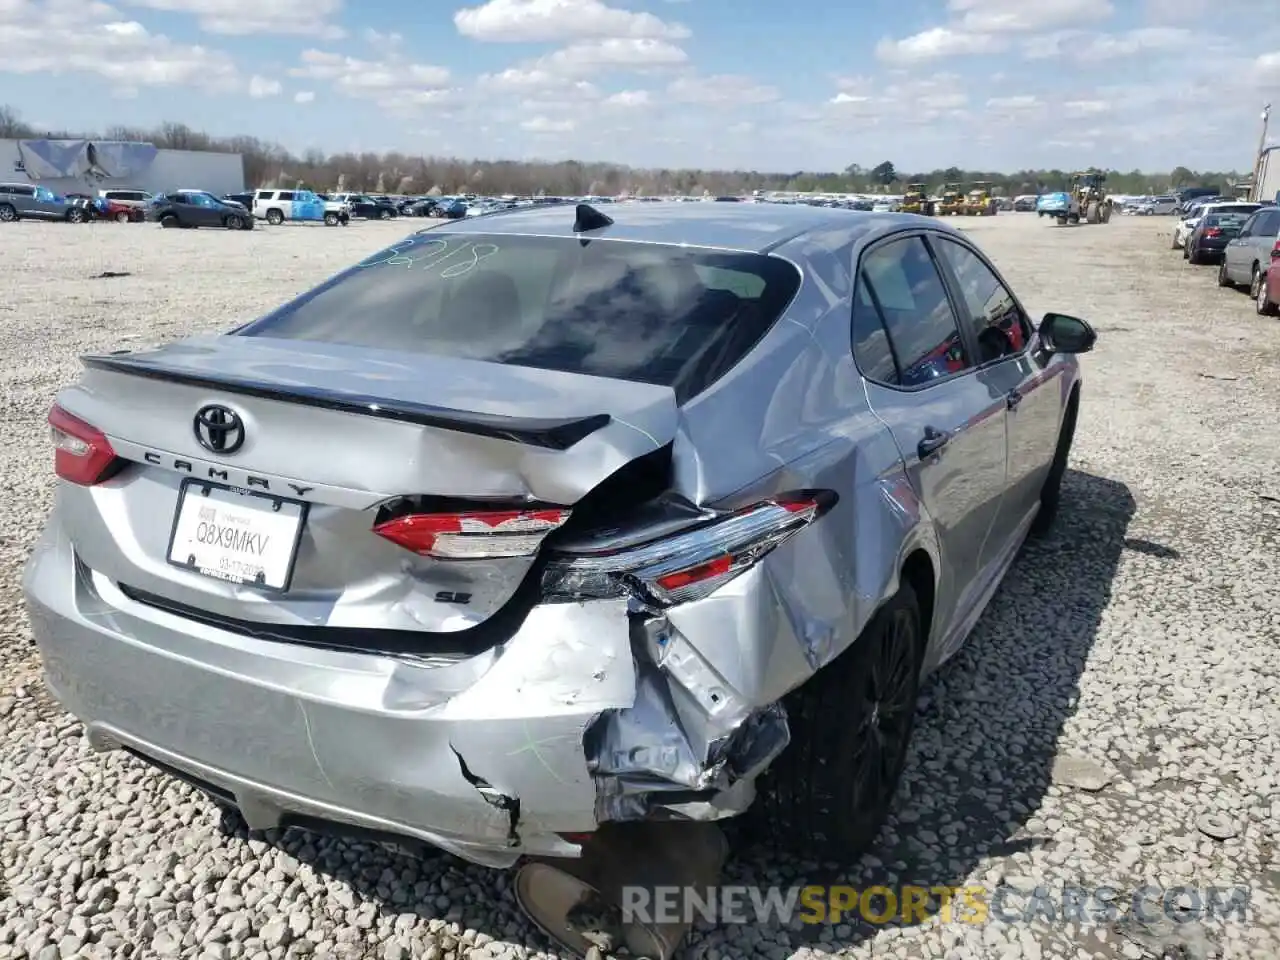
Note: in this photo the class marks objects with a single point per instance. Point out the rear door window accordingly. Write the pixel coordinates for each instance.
(1267, 224)
(902, 280)
(632, 311)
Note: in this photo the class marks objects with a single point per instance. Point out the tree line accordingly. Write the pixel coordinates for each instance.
(270, 164)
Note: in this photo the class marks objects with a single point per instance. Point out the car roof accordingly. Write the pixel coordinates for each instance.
(753, 227)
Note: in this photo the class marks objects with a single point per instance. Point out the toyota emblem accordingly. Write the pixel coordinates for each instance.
(219, 429)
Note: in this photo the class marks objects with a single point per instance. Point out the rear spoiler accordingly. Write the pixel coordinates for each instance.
(548, 433)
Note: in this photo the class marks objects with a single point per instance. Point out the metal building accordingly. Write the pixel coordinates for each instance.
(86, 166)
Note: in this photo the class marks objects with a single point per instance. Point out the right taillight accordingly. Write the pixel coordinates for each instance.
(82, 453)
(1213, 231)
(691, 565)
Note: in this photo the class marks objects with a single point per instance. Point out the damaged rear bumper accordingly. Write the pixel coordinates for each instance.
(593, 712)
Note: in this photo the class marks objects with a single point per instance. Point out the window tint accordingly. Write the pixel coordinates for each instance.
(265, 194)
(871, 350)
(902, 279)
(24, 191)
(631, 311)
(1233, 208)
(998, 325)
(286, 195)
(1267, 224)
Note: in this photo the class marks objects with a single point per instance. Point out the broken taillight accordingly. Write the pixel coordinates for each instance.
(82, 454)
(690, 565)
(482, 535)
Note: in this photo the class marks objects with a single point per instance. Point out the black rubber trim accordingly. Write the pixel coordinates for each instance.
(551, 434)
(408, 644)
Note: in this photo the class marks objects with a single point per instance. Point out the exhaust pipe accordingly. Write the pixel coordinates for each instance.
(579, 903)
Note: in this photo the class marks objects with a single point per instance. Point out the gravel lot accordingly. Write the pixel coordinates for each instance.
(1137, 644)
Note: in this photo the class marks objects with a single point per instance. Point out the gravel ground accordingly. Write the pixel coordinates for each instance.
(1110, 723)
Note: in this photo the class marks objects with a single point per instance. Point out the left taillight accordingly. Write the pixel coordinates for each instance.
(1213, 231)
(82, 453)
(482, 535)
(691, 565)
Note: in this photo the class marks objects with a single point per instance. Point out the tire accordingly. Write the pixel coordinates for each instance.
(1051, 491)
(1257, 282)
(1263, 304)
(8, 214)
(275, 217)
(1192, 257)
(385, 215)
(1223, 279)
(76, 215)
(1106, 213)
(169, 221)
(814, 799)
(122, 217)
(330, 219)
(233, 223)
(1092, 214)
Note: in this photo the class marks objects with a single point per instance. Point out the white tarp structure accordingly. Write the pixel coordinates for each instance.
(78, 159)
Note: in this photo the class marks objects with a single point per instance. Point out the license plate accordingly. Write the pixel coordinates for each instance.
(235, 535)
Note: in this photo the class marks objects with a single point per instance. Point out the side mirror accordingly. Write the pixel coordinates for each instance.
(1063, 334)
(1275, 253)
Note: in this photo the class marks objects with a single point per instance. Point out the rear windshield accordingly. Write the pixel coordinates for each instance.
(631, 311)
(1244, 208)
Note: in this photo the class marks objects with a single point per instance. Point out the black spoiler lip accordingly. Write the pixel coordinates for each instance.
(547, 433)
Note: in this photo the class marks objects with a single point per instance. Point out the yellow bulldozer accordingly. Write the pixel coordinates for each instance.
(952, 200)
(916, 200)
(979, 202)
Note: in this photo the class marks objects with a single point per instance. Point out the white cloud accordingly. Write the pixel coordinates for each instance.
(304, 96)
(260, 88)
(720, 89)
(1022, 16)
(395, 84)
(547, 125)
(629, 98)
(619, 53)
(935, 44)
(380, 39)
(243, 17)
(1085, 108)
(86, 36)
(1013, 104)
(550, 21)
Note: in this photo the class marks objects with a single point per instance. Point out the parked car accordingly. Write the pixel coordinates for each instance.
(1267, 300)
(1185, 225)
(448, 208)
(27, 201)
(122, 212)
(1211, 235)
(117, 198)
(244, 199)
(197, 208)
(1025, 203)
(532, 539)
(1157, 206)
(277, 206)
(366, 207)
(1247, 257)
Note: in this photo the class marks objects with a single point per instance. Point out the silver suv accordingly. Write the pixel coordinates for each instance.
(27, 200)
(137, 199)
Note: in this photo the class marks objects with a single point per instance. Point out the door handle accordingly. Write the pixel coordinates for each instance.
(1012, 399)
(932, 441)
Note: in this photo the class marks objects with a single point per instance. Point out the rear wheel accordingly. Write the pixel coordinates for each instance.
(122, 217)
(1257, 282)
(386, 215)
(1262, 301)
(233, 222)
(169, 221)
(331, 219)
(1051, 492)
(830, 790)
(76, 215)
(275, 217)
(1224, 278)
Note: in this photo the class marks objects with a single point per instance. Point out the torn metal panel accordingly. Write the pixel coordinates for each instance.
(687, 738)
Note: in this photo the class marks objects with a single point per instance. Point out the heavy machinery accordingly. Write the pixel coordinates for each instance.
(952, 200)
(1087, 200)
(979, 202)
(916, 200)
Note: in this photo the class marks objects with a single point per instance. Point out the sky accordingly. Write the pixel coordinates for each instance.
(777, 86)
